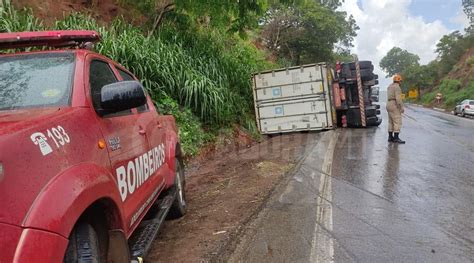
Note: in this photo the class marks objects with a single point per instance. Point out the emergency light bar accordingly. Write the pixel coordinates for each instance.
(59, 38)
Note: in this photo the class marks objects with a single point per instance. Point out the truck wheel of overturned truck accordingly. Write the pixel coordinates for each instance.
(365, 74)
(83, 245)
(363, 64)
(179, 207)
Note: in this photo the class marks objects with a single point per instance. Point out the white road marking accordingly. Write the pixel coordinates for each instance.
(322, 245)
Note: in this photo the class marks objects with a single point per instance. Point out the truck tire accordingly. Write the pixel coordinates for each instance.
(83, 245)
(365, 74)
(179, 207)
(364, 64)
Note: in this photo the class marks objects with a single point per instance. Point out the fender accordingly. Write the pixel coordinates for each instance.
(171, 139)
(62, 201)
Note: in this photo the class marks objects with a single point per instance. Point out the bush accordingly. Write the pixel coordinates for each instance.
(470, 61)
(428, 97)
(453, 92)
(456, 97)
(191, 133)
(449, 86)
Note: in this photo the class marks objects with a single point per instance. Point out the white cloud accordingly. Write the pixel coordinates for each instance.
(460, 19)
(388, 23)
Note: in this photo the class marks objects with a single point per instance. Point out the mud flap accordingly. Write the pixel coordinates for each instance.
(118, 247)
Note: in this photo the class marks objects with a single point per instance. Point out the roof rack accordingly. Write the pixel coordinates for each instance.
(57, 39)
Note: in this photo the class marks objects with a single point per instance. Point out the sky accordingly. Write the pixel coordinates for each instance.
(414, 25)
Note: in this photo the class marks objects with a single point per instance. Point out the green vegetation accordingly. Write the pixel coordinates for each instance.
(12, 20)
(306, 32)
(470, 61)
(195, 57)
(453, 93)
(456, 93)
(191, 132)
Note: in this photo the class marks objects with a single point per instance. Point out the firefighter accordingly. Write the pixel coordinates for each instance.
(395, 109)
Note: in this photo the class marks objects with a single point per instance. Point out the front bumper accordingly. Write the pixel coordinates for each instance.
(30, 245)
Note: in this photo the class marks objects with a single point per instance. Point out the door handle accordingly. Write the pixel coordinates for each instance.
(141, 131)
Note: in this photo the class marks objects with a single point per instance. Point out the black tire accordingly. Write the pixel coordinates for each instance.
(179, 207)
(83, 245)
(345, 71)
(364, 64)
(365, 74)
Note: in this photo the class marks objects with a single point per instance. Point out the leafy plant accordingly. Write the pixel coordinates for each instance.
(470, 61)
(12, 20)
(192, 134)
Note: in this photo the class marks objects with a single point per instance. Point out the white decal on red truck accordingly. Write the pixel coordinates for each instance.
(138, 171)
(57, 134)
(40, 139)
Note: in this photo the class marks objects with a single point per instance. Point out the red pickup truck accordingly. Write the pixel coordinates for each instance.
(89, 169)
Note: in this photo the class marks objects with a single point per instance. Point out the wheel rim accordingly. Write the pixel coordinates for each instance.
(179, 185)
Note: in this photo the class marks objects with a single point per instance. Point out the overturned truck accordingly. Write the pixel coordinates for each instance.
(352, 94)
(316, 97)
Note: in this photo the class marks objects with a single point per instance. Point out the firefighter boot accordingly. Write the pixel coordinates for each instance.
(396, 139)
(390, 137)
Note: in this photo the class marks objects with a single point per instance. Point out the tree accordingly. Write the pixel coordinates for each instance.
(235, 16)
(450, 49)
(307, 32)
(468, 6)
(419, 77)
(397, 60)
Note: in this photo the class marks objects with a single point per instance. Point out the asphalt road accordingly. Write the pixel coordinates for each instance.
(357, 198)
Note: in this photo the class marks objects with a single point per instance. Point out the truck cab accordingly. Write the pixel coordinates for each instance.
(84, 154)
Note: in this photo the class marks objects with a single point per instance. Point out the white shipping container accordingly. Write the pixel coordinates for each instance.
(293, 99)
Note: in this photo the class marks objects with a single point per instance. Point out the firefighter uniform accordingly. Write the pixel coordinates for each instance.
(395, 110)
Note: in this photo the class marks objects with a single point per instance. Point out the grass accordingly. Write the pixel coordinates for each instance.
(470, 61)
(453, 92)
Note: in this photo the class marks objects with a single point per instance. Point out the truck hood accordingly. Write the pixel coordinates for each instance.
(30, 158)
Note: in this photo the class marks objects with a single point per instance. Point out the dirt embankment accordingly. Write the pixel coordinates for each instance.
(103, 10)
(464, 69)
(225, 189)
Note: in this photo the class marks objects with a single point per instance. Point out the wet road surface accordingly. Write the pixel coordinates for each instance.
(357, 198)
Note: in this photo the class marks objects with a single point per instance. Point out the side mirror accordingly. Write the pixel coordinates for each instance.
(120, 96)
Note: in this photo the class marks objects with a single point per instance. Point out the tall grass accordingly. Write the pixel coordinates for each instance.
(453, 92)
(12, 20)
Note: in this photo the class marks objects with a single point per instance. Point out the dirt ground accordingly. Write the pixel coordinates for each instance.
(225, 189)
(102, 10)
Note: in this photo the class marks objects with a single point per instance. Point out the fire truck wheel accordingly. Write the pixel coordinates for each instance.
(83, 245)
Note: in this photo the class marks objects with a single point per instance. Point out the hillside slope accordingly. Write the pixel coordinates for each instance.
(464, 69)
(456, 86)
